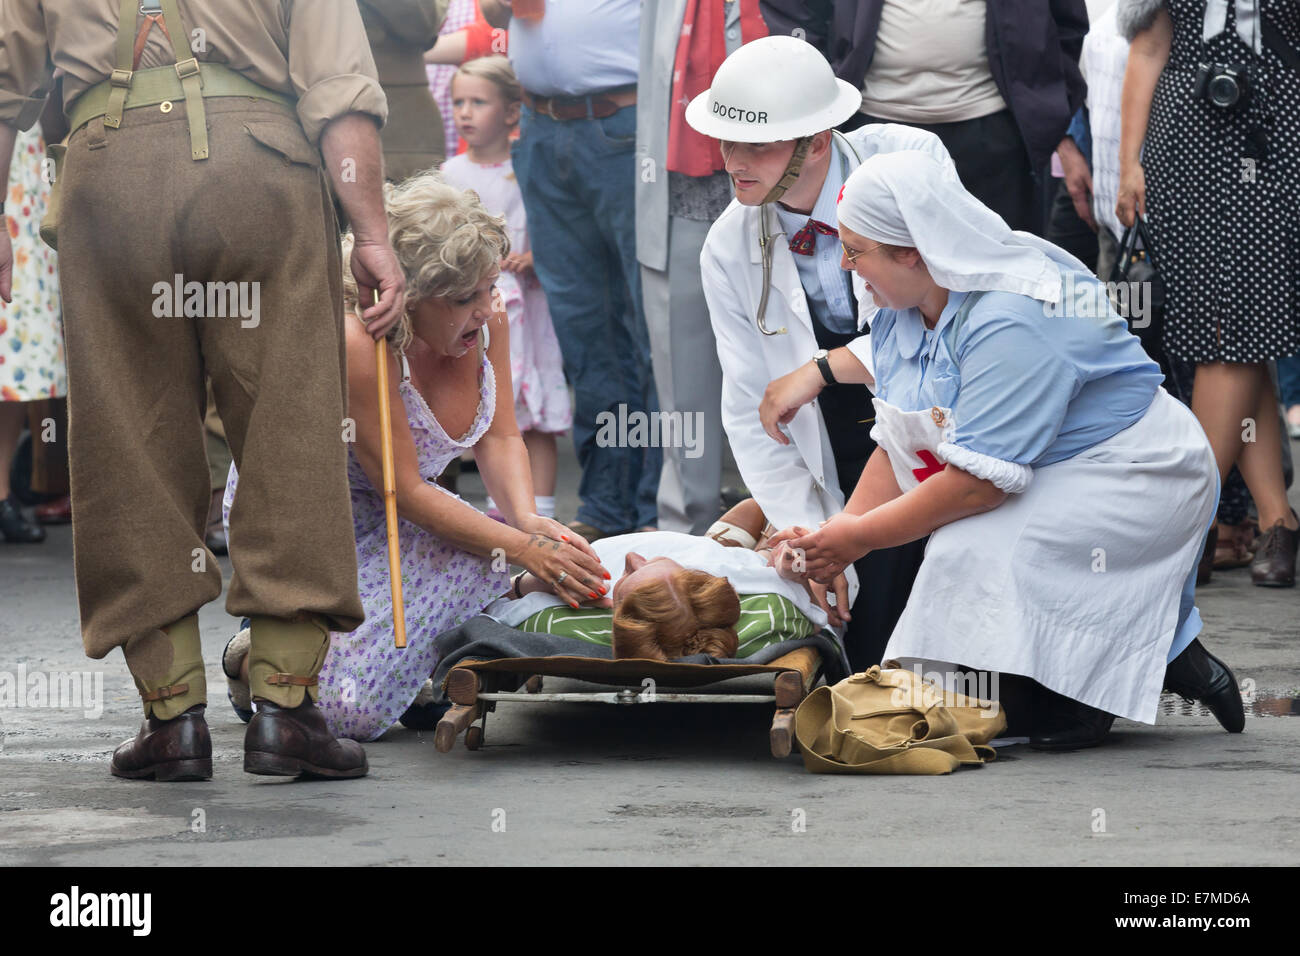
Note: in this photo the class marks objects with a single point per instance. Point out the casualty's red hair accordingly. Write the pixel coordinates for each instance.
(690, 612)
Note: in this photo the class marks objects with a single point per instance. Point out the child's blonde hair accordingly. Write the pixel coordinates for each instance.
(496, 69)
(445, 241)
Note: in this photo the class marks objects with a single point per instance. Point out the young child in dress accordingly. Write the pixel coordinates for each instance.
(485, 102)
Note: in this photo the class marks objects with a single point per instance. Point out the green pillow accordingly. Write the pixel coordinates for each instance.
(765, 619)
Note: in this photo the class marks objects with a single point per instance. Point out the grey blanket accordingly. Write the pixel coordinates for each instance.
(483, 639)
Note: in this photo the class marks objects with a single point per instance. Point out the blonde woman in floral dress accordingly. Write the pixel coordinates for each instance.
(449, 390)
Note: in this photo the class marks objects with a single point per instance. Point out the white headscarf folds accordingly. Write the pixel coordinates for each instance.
(902, 198)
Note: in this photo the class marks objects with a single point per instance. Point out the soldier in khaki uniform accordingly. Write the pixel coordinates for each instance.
(193, 180)
(399, 32)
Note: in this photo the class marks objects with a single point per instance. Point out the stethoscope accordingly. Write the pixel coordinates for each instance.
(765, 244)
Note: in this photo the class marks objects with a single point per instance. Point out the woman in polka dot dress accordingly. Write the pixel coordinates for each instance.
(1220, 189)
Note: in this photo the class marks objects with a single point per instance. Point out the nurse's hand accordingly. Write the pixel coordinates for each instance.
(784, 396)
(832, 547)
(837, 613)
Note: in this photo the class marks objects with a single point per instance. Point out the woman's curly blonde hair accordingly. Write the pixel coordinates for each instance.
(445, 241)
(689, 612)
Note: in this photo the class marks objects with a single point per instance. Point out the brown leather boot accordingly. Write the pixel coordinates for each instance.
(286, 742)
(1275, 556)
(176, 749)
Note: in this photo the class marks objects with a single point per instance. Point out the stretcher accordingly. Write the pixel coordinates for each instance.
(475, 687)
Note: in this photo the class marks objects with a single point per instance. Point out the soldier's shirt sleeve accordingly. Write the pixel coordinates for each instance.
(330, 64)
(413, 22)
(25, 70)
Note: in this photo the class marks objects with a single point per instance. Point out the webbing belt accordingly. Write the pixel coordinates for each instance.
(188, 79)
(162, 84)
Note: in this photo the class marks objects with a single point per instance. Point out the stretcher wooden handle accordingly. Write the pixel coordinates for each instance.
(390, 492)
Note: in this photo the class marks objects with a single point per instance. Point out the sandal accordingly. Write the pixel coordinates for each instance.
(238, 691)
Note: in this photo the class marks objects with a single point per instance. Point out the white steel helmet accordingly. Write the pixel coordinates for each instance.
(771, 89)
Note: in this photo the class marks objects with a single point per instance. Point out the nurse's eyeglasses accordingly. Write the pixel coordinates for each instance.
(852, 254)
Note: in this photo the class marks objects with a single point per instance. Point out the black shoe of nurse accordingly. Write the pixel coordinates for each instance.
(1075, 726)
(1196, 674)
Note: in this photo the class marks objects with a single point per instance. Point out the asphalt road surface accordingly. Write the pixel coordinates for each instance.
(563, 783)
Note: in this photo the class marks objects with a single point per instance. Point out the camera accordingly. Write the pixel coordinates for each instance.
(1221, 84)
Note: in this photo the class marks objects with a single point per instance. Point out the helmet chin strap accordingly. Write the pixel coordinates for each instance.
(792, 170)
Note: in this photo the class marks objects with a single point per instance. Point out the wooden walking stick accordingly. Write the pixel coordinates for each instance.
(390, 490)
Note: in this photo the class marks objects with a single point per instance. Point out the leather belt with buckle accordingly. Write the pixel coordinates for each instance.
(592, 106)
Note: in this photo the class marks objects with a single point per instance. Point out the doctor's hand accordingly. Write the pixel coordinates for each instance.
(837, 613)
(832, 547)
(784, 396)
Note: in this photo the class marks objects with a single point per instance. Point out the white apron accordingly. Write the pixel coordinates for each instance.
(1077, 581)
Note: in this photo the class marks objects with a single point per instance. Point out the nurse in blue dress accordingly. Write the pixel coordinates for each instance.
(1022, 427)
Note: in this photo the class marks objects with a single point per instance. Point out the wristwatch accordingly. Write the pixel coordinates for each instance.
(824, 365)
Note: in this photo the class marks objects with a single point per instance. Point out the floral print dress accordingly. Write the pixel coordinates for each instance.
(32, 365)
(366, 683)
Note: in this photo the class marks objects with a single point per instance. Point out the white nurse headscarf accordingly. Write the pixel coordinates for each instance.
(903, 198)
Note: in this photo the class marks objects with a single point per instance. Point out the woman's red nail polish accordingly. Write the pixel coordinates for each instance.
(592, 594)
(573, 604)
(606, 575)
(602, 590)
(564, 537)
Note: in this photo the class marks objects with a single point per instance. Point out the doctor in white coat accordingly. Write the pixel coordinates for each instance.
(777, 299)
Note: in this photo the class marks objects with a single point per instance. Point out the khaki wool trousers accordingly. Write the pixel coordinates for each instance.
(137, 214)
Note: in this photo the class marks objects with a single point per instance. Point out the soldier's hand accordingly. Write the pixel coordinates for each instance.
(375, 267)
(6, 264)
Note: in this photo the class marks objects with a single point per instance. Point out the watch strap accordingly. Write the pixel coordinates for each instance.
(824, 365)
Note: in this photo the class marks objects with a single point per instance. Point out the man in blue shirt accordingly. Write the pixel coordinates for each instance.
(575, 162)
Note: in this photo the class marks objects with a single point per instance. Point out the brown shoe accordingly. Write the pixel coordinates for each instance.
(1274, 564)
(286, 742)
(176, 749)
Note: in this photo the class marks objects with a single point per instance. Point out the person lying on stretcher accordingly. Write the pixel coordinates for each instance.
(678, 595)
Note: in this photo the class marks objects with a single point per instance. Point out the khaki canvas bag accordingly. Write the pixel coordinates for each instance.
(893, 721)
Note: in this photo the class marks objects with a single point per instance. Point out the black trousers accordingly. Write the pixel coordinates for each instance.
(885, 580)
(991, 161)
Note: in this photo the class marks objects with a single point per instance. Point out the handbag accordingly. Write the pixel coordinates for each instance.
(893, 721)
(1136, 265)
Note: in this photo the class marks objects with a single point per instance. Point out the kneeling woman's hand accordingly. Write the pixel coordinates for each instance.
(550, 528)
(573, 574)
